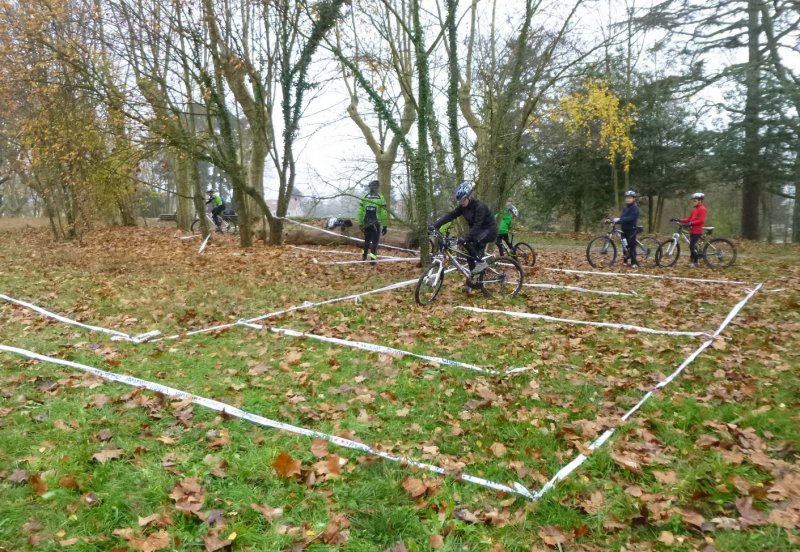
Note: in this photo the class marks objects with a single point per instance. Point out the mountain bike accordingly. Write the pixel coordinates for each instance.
(521, 251)
(229, 224)
(502, 277)
(602, 251)
(717, 253)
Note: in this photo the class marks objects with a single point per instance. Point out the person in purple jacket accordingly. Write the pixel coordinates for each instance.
(628, 220)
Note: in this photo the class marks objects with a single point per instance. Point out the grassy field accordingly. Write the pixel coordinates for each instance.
(709, 463)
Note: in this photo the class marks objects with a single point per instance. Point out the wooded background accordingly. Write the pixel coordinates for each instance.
(110, 111)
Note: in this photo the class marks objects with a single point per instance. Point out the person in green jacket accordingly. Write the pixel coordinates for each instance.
(505, 225)
(373, 219)
(218, 207)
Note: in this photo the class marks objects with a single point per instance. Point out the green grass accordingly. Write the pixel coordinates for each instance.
(50, 417)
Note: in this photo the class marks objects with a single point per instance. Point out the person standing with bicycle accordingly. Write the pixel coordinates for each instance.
(481, 222)
(628, 220)
(219, 206)
(373, 219)
(505, 226)
(696, 220)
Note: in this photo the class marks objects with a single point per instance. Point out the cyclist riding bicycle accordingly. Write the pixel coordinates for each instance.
(505, 226)
(697, 220)
(219, 207)
(628, 220)
(482, 226)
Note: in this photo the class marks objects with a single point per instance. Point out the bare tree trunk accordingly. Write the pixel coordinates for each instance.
(751, 178)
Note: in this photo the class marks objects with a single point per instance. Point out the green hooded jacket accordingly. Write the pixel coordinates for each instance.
(373, 209)
(505, 223)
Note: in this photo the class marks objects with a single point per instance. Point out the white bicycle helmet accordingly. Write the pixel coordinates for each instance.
(698, 195)
(514, 210)
(630, 193)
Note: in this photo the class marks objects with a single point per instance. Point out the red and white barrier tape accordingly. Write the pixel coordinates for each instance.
(581, 290)
(655, 276)
(628, 327)
(346, 237)
(606, 435)
(218, 406)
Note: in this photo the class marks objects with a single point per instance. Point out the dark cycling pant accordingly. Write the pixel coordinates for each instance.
(216, 212)
(630, 237)
(499, 242)
(476, 245)
(372, 235)
(693, 239)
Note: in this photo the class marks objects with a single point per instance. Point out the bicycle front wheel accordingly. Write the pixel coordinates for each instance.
(667, 253)
(719, 253)
(503, 278)
(429, 284)
(196, 227)
(526, 256)
(646, 250)
(601, 252)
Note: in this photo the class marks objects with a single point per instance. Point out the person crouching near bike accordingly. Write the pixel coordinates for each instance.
(481, 222)
(219, 206)
(696, 220)
(372, 216)
(505, 226)
(628, 220)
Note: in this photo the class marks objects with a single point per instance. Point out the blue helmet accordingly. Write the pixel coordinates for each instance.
(464, 189)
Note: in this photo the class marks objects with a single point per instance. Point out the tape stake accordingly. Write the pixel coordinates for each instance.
(606, 435)
(205, 241)
(627, 327)
(230, 410)
(655, 276)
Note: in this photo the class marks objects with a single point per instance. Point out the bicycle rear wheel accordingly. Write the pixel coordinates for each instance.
(719, 253)
(667, 253)
(429, 284)
(503, 278)
(601, 252)
(646, 250)
(526, 256)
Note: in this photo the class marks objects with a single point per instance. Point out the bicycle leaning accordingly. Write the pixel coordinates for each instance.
(502, 278)
(717, 252)
(602, 251)
(521, 251)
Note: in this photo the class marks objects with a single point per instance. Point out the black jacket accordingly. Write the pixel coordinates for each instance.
(629, 216)
(482, 225)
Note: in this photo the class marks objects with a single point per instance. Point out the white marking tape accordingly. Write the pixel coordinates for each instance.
(394, 352)
(580, 289)
(345, 237)
(202, 247)
(189, 237)
(639, 275)
(335, 252)
(117, 335)
(606, 435)
(409, 260)
(218, 406)
(628, 327)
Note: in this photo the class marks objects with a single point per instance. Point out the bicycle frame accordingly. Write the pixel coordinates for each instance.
(681, 233)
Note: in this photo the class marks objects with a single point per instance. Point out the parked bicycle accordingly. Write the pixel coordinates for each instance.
(717, 253)
(502, 278)
(521, 251)
(602, 251)
(229, 224)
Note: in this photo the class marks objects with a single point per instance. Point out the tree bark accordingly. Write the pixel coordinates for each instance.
(751, 178)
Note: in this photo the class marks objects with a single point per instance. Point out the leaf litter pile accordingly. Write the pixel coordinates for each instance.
(710, 463)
